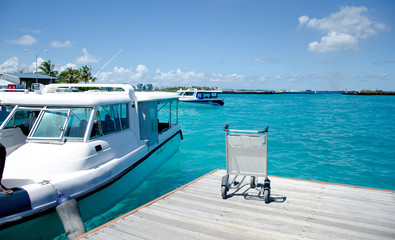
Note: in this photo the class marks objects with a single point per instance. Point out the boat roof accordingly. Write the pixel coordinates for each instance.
(200, 90)
(162, 96)
(68, 95)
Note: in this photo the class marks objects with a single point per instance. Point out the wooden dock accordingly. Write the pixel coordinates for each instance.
(299, 209)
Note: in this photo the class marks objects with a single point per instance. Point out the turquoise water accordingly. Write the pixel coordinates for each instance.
(327, 137)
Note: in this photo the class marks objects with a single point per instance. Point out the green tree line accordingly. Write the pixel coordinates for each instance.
(70, 75)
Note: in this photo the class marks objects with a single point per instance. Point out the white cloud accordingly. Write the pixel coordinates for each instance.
(382, 26)
(61, 68)
(86, 58)
(141, 70)
(24, 40)
(57, 44)
(32, 66)
(166, 78)
(178, 77)
(219, 78)
(302, 20)
(229, 78)
(125, 75)
(10, 65)
(334, 42)
(191, 78)
(342, 28)
(261, 79)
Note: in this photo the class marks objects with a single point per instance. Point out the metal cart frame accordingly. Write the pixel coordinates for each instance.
(246, 155)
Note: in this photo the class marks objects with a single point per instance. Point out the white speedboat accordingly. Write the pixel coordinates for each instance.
(93, 147)
(210, 97)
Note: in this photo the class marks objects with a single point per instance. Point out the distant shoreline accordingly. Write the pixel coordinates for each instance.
(370, 93)
(265, 92)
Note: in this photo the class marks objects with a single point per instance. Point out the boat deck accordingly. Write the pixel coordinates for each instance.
(299, 209)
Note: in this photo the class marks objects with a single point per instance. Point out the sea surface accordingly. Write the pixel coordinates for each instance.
(325, 137)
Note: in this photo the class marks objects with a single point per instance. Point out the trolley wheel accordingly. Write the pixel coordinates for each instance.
(252, 182)
(224, 190)
(266, 195)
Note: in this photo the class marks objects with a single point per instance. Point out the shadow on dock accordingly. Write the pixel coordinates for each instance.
(252, 194)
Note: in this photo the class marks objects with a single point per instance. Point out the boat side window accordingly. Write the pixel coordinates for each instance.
(124, 114)
(207, 95)
(174, 113)
(4, 112)
(155, 118)
(78, 121)
(50, 125)
(199, 95)
(23, 119)
(163, 116)
(96, 128)
(214, 95)
(110, 119)
(189, 93)
(167, 115)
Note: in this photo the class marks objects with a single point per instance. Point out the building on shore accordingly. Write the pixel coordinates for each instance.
(23, 80)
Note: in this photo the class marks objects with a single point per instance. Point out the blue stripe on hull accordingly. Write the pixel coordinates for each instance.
(211, 102)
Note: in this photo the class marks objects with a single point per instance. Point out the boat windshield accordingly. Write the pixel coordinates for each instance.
(61, 124)
(186, 93)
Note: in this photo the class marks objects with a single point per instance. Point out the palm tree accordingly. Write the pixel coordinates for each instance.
(70, 76)
(86, 74)
(48, 68)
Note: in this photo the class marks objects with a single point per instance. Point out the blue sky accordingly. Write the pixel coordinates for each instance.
(290, 45)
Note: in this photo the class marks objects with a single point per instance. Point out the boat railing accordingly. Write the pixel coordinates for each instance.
(116, 88)
(226, 129)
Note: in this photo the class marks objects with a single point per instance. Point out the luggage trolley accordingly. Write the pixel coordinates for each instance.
(246, 155)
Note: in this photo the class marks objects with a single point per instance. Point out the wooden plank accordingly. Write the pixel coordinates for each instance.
(298, 209)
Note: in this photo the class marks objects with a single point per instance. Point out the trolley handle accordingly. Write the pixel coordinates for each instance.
(226, 129)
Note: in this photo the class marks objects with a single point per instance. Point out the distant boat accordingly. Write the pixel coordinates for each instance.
(210, 97)
(93, 146)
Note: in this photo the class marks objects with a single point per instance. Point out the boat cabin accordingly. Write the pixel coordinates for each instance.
(199, 94)
(68, 114)
(210, 97)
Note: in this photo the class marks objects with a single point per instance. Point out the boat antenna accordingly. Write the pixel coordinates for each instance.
(119, 52)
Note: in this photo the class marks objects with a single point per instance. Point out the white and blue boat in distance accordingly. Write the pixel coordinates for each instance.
(94, 146)
(210, 97)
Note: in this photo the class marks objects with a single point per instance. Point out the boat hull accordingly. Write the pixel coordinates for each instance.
(47, 225)
(216, 102)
